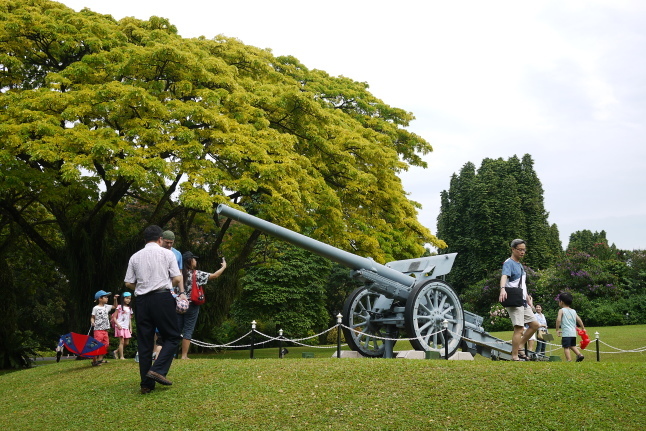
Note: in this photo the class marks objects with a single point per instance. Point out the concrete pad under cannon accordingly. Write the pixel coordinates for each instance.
(412, 354)
(409, 354)
(461, 356)
(420, 354)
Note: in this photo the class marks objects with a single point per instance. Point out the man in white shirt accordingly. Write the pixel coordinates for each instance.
(152, 272)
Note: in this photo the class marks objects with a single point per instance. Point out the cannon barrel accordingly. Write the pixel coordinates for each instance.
(334, 254)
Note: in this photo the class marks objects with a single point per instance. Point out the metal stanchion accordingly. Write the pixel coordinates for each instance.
(596, 334)
(445, 325)
(339, 317)
(280, 344)
(253, 331)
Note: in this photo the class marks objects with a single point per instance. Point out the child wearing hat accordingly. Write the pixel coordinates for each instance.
(122, 320)
(101, 321)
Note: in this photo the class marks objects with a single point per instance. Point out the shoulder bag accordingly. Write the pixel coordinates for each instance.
(514, 295)
(197, 292)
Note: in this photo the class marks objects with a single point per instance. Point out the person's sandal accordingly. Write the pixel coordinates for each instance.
(580, 358)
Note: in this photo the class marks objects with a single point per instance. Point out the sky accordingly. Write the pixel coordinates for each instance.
(563, 81)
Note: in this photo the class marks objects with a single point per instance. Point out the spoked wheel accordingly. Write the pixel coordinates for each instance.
(427, 306)
(358, 313)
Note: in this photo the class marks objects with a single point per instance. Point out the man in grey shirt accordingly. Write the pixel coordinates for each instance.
(152, 272)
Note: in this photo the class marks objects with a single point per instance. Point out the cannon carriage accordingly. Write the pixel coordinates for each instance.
(406, 297)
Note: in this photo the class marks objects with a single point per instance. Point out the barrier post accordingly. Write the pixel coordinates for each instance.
(280, 344)
(339, 317)
(596, 335)
(253, 331)
(445, 325)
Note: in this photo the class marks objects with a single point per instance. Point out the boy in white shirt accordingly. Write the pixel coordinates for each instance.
(100, 319)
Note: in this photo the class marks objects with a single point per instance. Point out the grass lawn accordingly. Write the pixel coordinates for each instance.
(231, 392)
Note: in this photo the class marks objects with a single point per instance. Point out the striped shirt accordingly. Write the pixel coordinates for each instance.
(152, 269)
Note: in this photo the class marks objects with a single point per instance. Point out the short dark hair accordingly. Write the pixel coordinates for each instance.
(515, 243)
(152, 233)
(566, 297)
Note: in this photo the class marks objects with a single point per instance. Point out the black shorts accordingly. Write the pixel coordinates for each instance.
(568, 342)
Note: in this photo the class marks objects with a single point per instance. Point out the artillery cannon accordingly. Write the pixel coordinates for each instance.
(402, 296)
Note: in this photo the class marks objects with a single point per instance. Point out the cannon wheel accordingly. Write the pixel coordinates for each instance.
(356, 315)
(427, 306)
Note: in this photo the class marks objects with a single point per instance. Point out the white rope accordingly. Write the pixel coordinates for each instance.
(637, 350)
(204, 344)
(269, 337)
(316, 347)
(214, 346)
(297, 339)
(313, 336)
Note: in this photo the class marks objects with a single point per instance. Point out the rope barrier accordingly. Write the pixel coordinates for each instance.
(315, 347)
(297, 339)
(637, 350)
(231, 345)
(204, 344)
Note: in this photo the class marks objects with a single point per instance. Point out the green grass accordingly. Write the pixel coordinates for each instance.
(231, 392)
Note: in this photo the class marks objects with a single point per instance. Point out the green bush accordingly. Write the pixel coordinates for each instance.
(17, 349)
(633, 308)
(331, 337)
(479, 297)
(585, 274)
(130, 350)
(603, 314)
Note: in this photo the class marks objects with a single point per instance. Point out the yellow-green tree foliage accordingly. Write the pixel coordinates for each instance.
(99, 115)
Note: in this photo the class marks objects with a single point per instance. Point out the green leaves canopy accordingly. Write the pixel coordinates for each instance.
(99, 116)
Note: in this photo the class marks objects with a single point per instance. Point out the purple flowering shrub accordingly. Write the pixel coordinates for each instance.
(605, 291)
(582, 273)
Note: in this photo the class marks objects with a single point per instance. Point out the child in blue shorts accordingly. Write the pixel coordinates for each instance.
(566, 324)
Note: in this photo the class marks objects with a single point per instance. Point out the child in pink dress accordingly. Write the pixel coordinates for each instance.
(122, 319)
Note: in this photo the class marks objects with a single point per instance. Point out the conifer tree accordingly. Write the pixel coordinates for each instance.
(484, 210)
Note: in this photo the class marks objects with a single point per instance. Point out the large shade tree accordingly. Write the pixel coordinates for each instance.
(107, 126)
(485, 209)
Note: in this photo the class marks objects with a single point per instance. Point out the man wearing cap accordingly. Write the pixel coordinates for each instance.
(152, 273)
(168, 238)
(100, 320)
